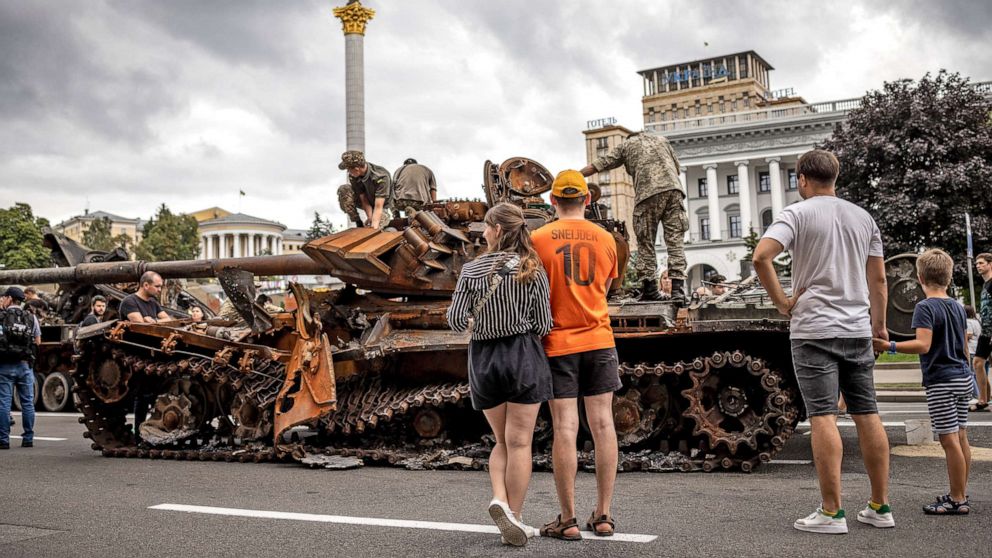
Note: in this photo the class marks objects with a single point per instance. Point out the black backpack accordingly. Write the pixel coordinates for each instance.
(16, 335)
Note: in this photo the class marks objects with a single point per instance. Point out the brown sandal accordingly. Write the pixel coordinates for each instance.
(556, 529)
(601, 520)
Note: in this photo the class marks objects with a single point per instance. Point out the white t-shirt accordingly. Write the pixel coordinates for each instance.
(975, 329)
(830, 240)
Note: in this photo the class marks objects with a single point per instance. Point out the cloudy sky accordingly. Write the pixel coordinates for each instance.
(123, 105)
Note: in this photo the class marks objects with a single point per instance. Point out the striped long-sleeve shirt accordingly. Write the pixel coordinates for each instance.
(515, 308)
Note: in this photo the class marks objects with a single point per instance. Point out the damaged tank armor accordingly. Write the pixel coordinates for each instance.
(372, 374)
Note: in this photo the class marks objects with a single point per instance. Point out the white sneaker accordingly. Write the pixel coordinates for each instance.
(881, 518)
(819, 522)
(511, 529)
(531, 533)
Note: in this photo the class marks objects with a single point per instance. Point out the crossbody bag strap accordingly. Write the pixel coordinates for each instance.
(501, 268)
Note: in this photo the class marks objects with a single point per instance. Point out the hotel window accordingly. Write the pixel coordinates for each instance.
(735, 225)
(704, 228)
(604, 177)
(733, 184)
(793, 179)
(601, 143)
(764, 182)
(702, 188)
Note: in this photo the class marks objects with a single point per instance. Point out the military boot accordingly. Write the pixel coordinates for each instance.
(649, 291)
(678, 292)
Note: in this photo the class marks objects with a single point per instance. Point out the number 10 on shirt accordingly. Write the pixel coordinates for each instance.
(573, 261)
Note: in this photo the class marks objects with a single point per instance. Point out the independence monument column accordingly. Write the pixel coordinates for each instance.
(353, 18)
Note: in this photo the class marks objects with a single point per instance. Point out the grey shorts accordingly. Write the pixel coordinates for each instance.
(585, 374)
(827, 368)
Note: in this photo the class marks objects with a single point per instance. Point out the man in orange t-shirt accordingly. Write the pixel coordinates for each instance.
(581, 261)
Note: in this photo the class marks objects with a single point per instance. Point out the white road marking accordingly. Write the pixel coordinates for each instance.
(44, 439)
(375, 521)
(49, 414)
(790, 462)
(893, 424)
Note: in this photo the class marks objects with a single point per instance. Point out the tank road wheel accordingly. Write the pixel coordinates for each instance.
(108, 378)
(251, 421)
(177, 414)
(644, 408)
(740, 408)
(55, 392)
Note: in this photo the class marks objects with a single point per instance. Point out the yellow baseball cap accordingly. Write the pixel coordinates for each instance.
(569, 184)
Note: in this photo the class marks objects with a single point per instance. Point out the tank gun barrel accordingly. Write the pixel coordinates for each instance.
(129, 271)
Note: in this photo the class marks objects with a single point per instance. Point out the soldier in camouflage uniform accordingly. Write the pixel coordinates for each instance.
(369, 187)
(652, 162)
(415, 186)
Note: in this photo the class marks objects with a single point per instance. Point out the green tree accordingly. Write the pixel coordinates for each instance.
(917, 156)
(99, 236)
(320, 227)
(782, 263)
(169, 237)
(21, 238)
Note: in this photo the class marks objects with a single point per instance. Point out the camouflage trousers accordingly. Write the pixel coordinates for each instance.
(408, 206)
(665, 208)
(348, 203)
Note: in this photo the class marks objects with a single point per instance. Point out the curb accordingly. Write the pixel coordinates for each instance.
(901, 396)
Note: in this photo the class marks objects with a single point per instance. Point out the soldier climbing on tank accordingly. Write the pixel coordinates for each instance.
(369, 185)
(652, 162)
(415, 186)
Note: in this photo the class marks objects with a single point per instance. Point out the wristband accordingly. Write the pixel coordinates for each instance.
(892, 347)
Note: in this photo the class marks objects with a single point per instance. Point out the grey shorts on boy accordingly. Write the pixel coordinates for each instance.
(827, 368)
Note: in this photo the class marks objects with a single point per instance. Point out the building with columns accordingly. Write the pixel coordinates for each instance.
(236, 235)
(75, 226)
(737, 142)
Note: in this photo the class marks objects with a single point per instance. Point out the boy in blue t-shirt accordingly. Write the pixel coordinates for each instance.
(940, 324)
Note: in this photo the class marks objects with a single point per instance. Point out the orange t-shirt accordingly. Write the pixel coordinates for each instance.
(579, 257)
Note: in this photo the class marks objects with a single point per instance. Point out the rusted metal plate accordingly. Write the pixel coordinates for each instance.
(309, 392)
(365, 256)
(904, 292)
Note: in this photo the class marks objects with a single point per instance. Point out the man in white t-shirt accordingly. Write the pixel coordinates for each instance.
(838, 304)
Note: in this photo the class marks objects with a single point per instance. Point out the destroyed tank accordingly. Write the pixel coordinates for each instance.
(372, 371)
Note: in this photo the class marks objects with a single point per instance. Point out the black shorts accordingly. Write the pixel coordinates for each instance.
(510, 369)
(585, 374)
(984, 348)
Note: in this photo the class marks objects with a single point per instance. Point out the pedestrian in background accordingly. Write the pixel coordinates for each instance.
(503, 298)
(940, 324)
(983, 263)
(837, 306)
(974, 332)
(98, 305)
(20, 335)
(580, 259)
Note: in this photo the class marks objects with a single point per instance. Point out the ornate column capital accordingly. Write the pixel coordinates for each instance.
(773, 160)
(353, 17)
(709, 166)
(742, 163)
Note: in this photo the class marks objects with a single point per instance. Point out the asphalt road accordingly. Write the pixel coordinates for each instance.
(63, 499)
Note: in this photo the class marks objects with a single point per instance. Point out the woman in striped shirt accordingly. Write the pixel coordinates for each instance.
(503, 297)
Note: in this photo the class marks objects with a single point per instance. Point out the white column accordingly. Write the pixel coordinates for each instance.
(223, 245)
(237, 244)
(251, 244)
(713, 196)
(744, 194)
(203, 247)
(778, 195)
(215, 245)
(682, 179)
(278, 248)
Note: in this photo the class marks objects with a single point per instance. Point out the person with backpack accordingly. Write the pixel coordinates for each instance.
(20, 335)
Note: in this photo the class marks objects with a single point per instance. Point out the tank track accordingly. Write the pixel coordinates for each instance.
(686, 416)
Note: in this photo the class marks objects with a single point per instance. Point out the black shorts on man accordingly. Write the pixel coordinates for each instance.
(585, 374)
(984, 348)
